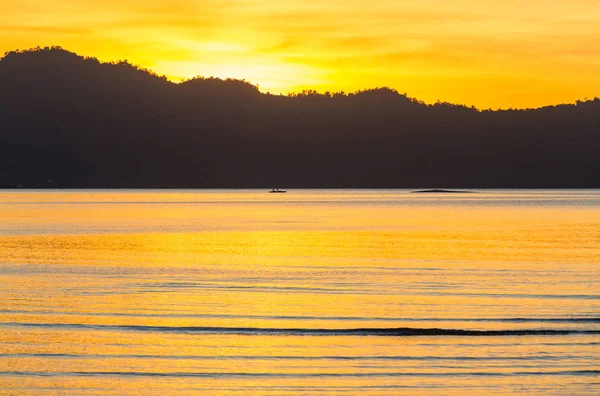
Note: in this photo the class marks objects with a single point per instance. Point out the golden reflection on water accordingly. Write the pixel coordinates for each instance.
(558, 244)
(119, 262)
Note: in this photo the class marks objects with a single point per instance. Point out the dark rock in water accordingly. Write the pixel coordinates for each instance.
(437, 190)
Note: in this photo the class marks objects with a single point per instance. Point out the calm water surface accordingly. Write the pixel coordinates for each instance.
(309, 292)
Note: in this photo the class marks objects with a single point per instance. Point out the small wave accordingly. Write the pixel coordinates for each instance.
(297, 375)
(540, 320)
(590, 319)
(389, 332)
(427, 358)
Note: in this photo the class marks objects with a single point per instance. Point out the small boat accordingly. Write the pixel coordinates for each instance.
(276, 190)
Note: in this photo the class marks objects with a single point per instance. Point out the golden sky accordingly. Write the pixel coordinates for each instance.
(509, 53)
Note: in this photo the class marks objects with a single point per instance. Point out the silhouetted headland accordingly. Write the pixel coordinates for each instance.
(442, 191)
(84, 123)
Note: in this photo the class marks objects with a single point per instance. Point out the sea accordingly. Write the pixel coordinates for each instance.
(310, 292)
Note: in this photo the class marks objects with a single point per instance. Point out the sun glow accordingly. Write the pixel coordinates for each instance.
(490, 54)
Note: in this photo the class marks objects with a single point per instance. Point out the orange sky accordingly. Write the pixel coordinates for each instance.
(509, 53)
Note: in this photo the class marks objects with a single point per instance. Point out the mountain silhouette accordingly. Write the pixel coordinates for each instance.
(78, 122)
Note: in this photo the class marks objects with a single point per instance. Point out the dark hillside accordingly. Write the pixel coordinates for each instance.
(82, 123)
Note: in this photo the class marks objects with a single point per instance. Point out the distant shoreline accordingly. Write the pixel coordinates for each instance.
(411, 190)
(266, 189)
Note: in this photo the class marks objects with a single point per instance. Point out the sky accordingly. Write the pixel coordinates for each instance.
(491, 54)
